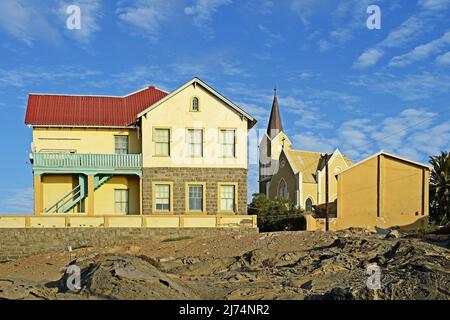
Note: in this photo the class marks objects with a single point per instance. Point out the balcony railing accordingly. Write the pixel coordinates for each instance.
(87, 161)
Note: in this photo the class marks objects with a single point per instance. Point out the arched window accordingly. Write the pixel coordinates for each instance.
(195, 104)
(283, 190)
(308, 205)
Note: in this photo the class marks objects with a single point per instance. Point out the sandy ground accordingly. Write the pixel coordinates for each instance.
(280, 265)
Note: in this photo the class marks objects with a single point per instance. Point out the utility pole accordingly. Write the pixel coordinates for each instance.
(327, 225)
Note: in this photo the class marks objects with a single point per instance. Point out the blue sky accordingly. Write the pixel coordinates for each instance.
(339, 83)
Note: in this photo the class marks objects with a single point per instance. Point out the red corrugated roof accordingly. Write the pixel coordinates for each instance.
(72, 110)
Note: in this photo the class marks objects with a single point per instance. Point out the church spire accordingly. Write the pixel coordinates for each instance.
(275, 125)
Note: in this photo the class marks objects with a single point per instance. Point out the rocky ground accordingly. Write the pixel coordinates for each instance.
(280, 265)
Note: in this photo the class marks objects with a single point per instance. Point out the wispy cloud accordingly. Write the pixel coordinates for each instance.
(434, 5)
(408, 87)
(303, 8)
(90, 11)
(19, 201)
(313, 141)
(272, 38)
(368, 58)
(412, 133)
(144, 17)
(422, 52)
(202, 12)
(27, 22)
(29, 76)
(408, 31)
(444, 59)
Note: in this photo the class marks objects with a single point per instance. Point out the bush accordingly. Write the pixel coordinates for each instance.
(276, 215)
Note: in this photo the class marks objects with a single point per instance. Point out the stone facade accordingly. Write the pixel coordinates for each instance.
(179, 176)
(21, 242)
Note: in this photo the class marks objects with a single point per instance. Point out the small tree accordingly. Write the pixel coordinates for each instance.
(440, 188)
(276, 214)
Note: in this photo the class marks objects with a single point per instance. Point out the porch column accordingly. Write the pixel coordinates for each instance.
(38, 195)
(140, 196)
(90, 194)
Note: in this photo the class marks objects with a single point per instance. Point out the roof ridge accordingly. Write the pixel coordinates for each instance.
(96, 95)
(299, 150)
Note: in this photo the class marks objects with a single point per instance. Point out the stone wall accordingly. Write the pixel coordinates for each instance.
(20, 242)
(179, 176)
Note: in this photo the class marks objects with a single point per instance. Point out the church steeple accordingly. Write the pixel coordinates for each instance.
(275, 124)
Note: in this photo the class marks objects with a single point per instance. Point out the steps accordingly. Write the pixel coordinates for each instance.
(76, 195)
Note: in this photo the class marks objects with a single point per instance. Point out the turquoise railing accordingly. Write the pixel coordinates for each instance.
(87, 160)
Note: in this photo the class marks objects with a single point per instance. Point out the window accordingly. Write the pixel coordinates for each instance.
(195, 104)
(227, 197)
(161, 137)
(308, 205)
(283, 190)
(121, 144)
(194, 138)
(228, 143)
(195, 200)
(162, 197)
(121, 201)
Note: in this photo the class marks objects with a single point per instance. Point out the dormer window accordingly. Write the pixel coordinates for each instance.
(195, 105)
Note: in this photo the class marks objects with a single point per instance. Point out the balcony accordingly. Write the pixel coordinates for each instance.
(86, 163)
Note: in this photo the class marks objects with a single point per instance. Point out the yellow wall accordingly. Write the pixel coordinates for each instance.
(82, 220)
(357, 195)
(309, 191)
(104, 196)
(400, 195)
(175, 114)
(56, 186)
(82, 140)
(335, 162)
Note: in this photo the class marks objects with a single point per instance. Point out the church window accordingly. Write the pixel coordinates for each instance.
(283, 190)
(308, 205)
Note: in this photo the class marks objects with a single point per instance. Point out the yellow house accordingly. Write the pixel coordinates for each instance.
(148, 153)
(383, 190)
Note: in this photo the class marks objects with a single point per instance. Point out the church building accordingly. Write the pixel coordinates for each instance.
(304, 178)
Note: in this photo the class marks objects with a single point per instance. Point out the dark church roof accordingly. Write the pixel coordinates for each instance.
(275, 124)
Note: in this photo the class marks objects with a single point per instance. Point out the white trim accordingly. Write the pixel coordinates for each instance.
(300, 187)
(319, 184)
(389, 155)
(337, 152)
(95, 95)
(207, 87)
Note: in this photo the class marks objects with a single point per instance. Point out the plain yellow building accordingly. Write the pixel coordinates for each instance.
(151, 152)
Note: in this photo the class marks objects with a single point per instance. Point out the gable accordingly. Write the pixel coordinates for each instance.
(211, 98)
